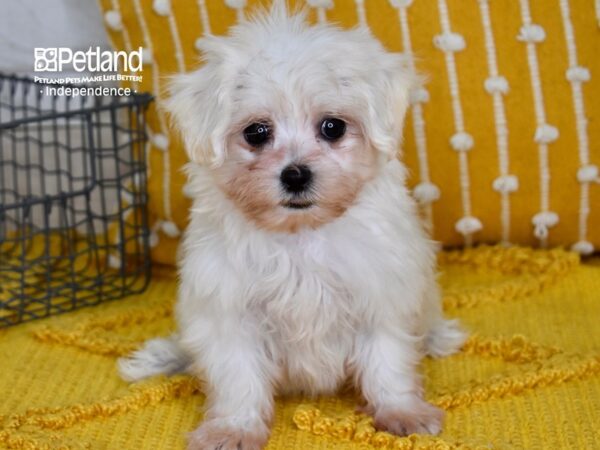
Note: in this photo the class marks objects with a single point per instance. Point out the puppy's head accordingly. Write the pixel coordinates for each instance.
(292, 119)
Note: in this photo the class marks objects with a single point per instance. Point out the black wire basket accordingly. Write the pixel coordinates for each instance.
(73, 196)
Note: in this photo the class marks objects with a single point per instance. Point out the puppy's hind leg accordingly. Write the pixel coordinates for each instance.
(157, 356)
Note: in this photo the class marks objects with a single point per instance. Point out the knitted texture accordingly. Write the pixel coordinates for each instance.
(528, 377)
(502, 142)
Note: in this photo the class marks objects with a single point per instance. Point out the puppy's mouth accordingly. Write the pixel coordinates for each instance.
(297, 204)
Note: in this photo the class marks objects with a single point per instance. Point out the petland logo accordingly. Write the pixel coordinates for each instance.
(97, 68)
(55, 59)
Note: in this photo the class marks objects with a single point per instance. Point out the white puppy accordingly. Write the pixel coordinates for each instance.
(304, 263)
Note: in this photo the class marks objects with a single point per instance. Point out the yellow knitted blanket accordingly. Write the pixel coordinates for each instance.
(528, 377)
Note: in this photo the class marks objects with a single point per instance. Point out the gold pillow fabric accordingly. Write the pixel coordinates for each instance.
(502, 142)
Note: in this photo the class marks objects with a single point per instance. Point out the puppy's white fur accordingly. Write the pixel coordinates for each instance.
(278, 300)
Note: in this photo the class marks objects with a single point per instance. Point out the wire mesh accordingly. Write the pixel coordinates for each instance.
(73, 196)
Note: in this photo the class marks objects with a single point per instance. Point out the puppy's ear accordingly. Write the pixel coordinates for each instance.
(389, 102)
(200, 106)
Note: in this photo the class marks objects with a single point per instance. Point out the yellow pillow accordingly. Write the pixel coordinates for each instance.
(503, 142)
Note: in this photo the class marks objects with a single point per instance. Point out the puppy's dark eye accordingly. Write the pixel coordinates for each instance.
(332, 129)
(257, 134)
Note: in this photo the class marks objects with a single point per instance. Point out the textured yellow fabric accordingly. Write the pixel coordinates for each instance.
(527, 378)
(168, 30)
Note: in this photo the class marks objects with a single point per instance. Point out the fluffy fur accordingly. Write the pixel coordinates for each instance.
(276, 300)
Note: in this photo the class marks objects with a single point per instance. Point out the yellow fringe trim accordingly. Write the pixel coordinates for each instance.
(83, 335)
(536, 269)
(516, 349)
(517, 384)
(359, 429)
(59, 418)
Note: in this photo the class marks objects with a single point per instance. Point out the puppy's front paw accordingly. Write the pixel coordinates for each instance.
(417, 416)
(218, 434)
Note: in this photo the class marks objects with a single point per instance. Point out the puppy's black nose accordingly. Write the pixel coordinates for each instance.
(296, 179)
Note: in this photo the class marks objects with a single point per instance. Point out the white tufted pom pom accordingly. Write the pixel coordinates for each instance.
(583, 247)
(160, 141)
(114, 262)
(153, 239)
(426, 192)
(198, 45)
(548, 218)
(545, 134)
(578, 73)
(468, 225)
(401, 3)
(588, 174)
(496, 84)
(162, 7)
(542, 221)
(146, 56)
(187, 191)
(113, 20)
(418, 95)
(170, 229)
(506, 184)
(531, 33)
(449, 42)
(236, 4)
(461, 142)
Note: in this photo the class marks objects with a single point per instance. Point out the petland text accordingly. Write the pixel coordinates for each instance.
(93, 60)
